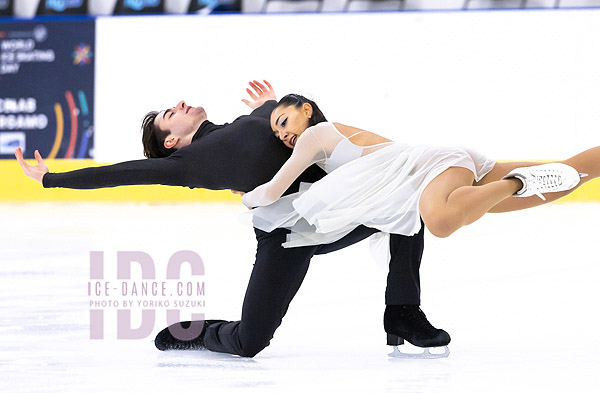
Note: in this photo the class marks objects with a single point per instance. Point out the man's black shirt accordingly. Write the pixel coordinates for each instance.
(240, 155)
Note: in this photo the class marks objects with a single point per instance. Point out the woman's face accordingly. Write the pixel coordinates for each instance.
(289, 122)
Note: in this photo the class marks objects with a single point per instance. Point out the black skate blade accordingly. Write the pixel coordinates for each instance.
(426, 354)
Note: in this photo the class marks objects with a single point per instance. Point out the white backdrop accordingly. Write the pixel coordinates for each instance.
(513, 84)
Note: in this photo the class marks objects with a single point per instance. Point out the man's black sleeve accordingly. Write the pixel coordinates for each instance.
(265, 110)
(167, 171)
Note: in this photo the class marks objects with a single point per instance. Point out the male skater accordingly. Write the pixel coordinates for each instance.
(185, 149)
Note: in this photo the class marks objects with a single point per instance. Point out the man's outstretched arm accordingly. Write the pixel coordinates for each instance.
(146, 171)
(197, 169)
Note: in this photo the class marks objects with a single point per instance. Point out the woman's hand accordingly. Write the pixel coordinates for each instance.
(263, 94)
(35, 172)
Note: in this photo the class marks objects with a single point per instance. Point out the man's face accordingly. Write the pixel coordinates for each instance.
(181, 120)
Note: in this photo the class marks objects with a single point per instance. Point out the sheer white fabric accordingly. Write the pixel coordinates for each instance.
(378, 186)
(317, 145)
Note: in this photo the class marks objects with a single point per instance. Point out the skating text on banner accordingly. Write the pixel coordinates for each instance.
(47, 88)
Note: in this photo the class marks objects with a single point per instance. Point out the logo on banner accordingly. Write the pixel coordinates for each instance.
(61, 5)
(82, 54)
(9, 141)
(212, 4)
(139, 5)
(40, 33)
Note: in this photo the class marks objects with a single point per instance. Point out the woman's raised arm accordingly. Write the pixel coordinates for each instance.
(307, 151)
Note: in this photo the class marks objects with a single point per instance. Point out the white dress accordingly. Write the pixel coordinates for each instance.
(378, 186)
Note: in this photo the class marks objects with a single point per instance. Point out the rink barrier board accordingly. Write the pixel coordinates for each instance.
(16, 187)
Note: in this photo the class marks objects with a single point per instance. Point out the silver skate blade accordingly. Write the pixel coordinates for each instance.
(583, 175)
(426, 354)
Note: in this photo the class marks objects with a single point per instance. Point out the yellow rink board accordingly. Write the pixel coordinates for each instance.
(15, 187)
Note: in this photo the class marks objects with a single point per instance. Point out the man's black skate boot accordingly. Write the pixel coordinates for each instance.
(190, 333)
(410, 323)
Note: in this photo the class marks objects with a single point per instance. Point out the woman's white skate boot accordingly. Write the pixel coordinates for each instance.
(540, 179)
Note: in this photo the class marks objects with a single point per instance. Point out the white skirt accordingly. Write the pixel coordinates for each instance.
(380, 190)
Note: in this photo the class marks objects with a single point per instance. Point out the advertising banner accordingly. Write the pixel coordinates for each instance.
(201, 6)
(139, 7)
(47, 88)
(62, 7)
(6, 8)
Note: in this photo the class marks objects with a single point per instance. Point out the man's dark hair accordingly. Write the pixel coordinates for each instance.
(153, 138)
(297, 101)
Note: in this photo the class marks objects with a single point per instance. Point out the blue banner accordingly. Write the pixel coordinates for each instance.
(140, 7)
(215, 5)
(6, 8)
(62, 7)
(47, 88)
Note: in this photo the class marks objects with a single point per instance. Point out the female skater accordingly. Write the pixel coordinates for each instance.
(390, 186)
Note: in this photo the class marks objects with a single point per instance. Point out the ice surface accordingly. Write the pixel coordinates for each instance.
(517, 292)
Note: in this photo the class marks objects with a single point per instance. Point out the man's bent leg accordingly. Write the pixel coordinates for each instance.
(276, 277)
(266, 301)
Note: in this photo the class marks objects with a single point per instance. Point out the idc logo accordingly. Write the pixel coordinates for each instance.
(142, 297)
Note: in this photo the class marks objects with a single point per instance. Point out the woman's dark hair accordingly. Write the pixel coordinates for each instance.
(297, 101)
(153, 138)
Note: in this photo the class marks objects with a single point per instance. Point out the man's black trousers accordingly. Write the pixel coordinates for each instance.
(278, 273)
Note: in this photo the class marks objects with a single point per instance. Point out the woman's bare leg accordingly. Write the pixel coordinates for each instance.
(585, 162)
(451, 200)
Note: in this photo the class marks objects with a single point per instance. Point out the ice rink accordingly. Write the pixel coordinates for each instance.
(517, 292)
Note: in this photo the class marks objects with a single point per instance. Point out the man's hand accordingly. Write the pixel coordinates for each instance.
(262, 95)
(35, 172)
(240, 193)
